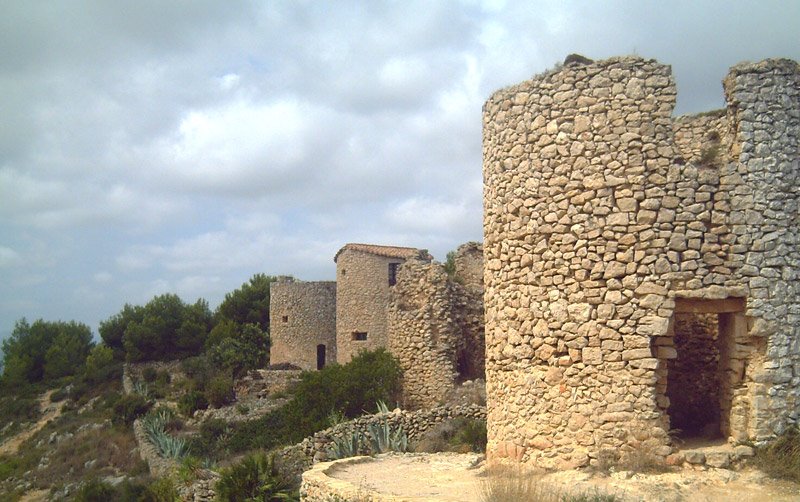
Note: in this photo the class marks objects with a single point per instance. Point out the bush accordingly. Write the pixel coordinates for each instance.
(18, 409)
(255, 478)
(238, 348)
(59, 395)
(101, 365)
(471, 435)
(192, 401)
(350, 389)
(95, 491)
(198, 370)
(149, 374)
(219, 391)
(128, 408)
(163, 378)
(162, 490)
(267, 432)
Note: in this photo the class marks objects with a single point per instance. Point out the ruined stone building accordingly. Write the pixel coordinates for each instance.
(388, 297)
(641, 271)
(435, 326)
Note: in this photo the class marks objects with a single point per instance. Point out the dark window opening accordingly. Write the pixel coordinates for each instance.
(344, 272)
(320, 356)
(359, 336)
(393, 273)
(285, 318)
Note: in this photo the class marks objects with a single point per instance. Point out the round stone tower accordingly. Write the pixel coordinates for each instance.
(620, 293)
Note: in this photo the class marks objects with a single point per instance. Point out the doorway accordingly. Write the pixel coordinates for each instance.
(701, 374)
(320, 356)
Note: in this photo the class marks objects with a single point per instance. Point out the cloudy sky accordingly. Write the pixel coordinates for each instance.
(182, 146)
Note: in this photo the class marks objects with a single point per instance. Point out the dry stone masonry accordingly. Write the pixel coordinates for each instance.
(365, 274)
(303, 323)
(388, 297)
(435, 326)
(606, 221)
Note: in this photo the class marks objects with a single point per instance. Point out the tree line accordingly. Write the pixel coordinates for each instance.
(235, 337)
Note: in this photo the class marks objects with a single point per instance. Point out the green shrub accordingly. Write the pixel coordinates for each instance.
(95, 491)
(349, 389)
(192, 401)
(220, 391)
(450, 264)
(781, 457)
(457, 434)
(18, 409)
(131, 491)
(163, 378)
(59, 395)
(128, 408)
(255, 478)
(162, 490)
(472, 435)
(266, 432)
(214, 428)
(149, 374)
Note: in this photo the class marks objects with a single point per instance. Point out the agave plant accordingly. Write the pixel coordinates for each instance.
(348, 446)
(141, 388)
(168, 446)
(386, 437)
(382, 407)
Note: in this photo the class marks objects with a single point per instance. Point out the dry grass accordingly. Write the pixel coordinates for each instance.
(92, 453)
(516, 484)
(781, 458)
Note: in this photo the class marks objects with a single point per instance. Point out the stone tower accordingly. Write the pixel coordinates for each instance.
(303, 323)
(638, 265)
(365, 274)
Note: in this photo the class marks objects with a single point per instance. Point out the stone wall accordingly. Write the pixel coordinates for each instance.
(303, 318)
(313, 449)
(435, 331)
(362, 293)
(600, 213)
(764, 108)
(469, 265)
(424, 334)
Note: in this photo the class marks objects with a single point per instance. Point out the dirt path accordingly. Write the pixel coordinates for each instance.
(49, 411)
(35, 496)
(449, 477)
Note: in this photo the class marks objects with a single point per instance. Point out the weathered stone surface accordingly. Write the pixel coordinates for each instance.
(626, 211)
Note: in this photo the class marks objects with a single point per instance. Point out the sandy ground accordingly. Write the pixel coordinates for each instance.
(452, 477)
(50, 411)
(35, 496)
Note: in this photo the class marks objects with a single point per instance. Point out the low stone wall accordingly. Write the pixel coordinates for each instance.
(264, 383)
(158, 465)
(132, 372)
(300, 457)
